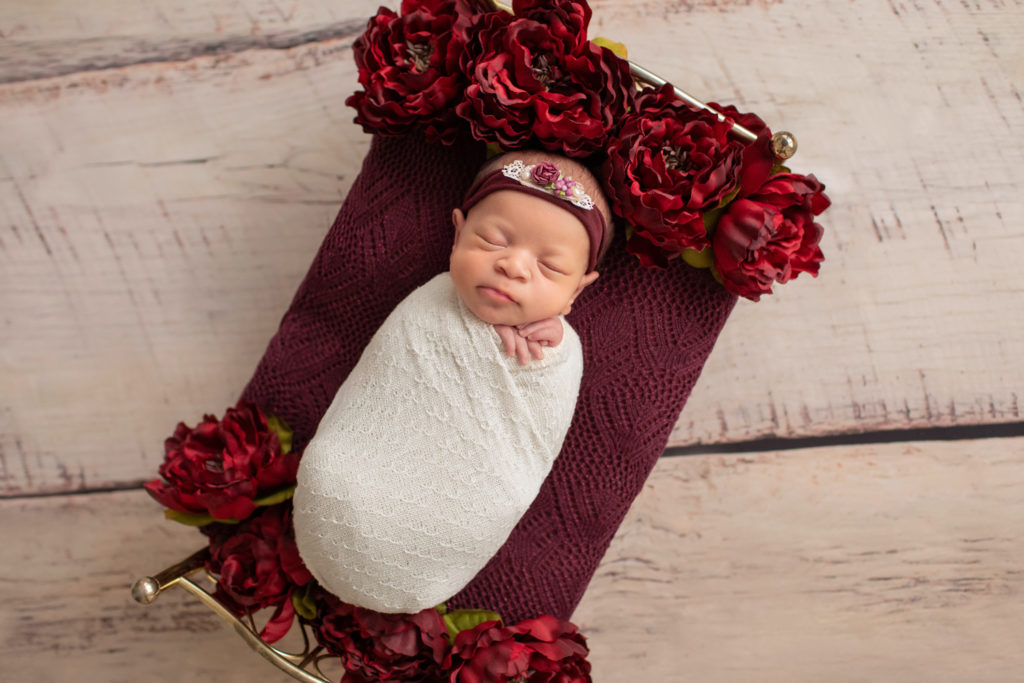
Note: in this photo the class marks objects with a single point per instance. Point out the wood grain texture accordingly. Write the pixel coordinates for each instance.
(874, 563)
(882, 563)
(167, 172)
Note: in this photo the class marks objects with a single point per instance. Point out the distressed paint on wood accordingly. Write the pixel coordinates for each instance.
(894, 562)
(898, 562)
(156, 218)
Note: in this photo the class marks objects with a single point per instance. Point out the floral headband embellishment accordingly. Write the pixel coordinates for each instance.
(546, 177)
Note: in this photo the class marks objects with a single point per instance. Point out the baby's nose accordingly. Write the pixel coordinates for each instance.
(514, 265)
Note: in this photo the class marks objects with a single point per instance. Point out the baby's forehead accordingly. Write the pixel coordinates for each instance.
(508, 210)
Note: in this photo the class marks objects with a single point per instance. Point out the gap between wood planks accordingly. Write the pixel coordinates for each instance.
(958, 433)
(954, 433)
(126, 51)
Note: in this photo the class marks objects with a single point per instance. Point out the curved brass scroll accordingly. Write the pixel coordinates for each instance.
(302, 666)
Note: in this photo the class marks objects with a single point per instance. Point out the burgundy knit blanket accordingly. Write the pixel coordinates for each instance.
(646, 334)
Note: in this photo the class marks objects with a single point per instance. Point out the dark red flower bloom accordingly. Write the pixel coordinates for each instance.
(536, 79)
(382, 647)
(758, 160)
(409, 69)
(220, 467)
(542, 650)
(770, 235)
(666, 167)
(258, 565)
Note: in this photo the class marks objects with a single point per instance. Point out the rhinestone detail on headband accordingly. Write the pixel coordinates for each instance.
(546, 177)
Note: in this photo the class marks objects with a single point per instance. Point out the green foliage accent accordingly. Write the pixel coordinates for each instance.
(194, 518)
(618, 48)
(275, 497)
(303, 602)
(493, 150)
(465, 619)
(698, 259)
(284, 432)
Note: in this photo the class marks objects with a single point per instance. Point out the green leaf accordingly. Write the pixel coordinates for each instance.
(304, 605)
(275, 497)
(618, 48)
(284, 432)
(711, 215)
(727, 199)
(493, 150)
(698, 259)
(465, 619)
(442, 609)
(194, 518)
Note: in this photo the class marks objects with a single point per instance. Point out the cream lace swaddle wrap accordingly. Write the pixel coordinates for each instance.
(431, 451)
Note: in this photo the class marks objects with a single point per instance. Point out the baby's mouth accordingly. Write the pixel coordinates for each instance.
(496, 294)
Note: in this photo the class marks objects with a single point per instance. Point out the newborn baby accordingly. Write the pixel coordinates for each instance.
(438, 442)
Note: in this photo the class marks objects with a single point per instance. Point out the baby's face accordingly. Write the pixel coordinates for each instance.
(518, 258)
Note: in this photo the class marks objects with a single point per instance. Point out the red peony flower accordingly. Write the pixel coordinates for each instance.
(667, 166)
(542, 650)
(382, 647)
(258, 566)
(408, 67)
(220, 467)
(770, 235)
(535, 78)
(758, 161)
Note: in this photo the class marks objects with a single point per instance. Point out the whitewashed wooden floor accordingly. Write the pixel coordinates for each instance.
(168, 168)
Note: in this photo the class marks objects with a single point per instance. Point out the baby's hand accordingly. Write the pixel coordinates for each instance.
(546, 332)
(527, 340)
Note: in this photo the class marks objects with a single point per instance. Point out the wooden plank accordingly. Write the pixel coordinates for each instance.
(67, 610)
(891, 562)
(150, 246)
(897, 562)
(156, 218)
(59, 38)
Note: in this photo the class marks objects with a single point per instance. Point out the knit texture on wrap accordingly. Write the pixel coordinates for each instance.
(433, 448)
(645, 334)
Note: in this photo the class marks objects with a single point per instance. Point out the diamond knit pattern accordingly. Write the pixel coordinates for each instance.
(645, 335)
(433, 448)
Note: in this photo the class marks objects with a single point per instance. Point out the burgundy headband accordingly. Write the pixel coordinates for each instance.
(544, 180)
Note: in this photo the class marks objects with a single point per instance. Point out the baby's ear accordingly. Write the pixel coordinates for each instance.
(587, 279)
(458, 220)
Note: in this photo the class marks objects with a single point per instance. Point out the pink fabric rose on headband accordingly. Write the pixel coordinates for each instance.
(544, 173)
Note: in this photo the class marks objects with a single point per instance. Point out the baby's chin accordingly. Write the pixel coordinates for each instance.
(498, 319)
(496, 316)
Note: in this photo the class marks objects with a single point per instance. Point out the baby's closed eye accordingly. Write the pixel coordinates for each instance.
(553, 267)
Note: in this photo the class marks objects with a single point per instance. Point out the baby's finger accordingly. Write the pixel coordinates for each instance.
(531, 328)
(508, 338)
(522, 351)
(535, 350)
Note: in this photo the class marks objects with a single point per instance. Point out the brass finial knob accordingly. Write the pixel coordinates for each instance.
(145, 590)
(783, 145)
